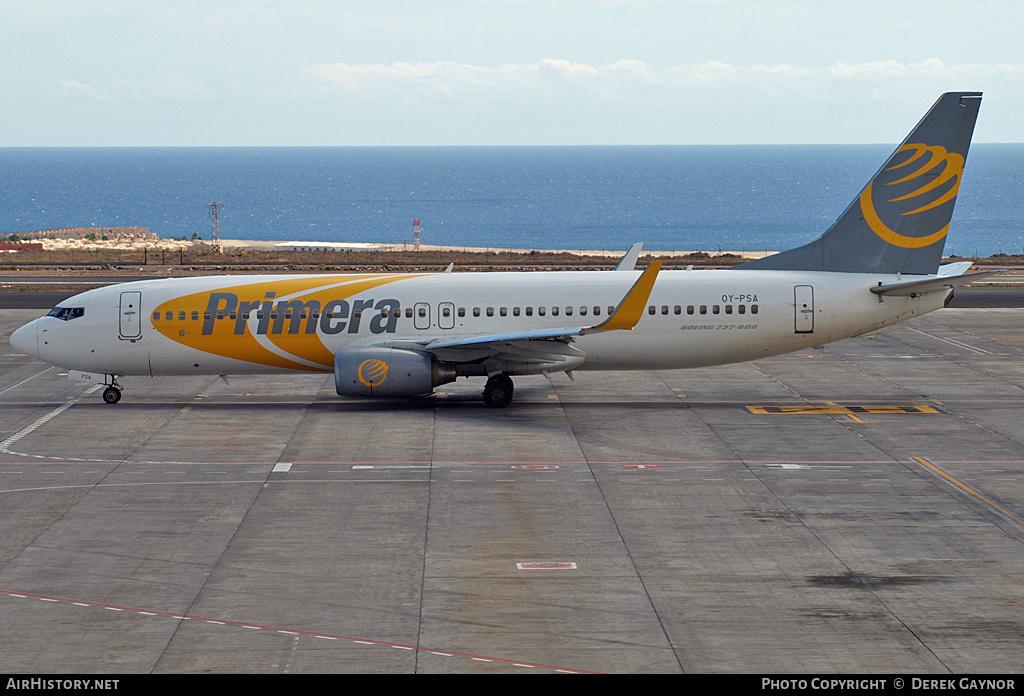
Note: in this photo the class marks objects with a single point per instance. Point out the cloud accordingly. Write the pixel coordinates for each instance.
(632, 79)
(546, 78)
(82, 90)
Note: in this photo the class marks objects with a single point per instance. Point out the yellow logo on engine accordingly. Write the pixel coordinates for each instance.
(952, 170)
(373, 372)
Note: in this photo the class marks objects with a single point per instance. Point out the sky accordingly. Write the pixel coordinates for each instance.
(499, 72)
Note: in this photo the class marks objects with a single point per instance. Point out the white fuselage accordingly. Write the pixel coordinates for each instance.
(244, 324)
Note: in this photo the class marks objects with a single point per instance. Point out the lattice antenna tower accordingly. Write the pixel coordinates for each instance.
(215, 216)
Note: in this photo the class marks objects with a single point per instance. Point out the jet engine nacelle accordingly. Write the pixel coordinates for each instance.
(388, 372)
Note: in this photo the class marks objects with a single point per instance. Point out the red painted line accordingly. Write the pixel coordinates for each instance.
(314, 634)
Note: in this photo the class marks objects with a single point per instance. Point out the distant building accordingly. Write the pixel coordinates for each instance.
(330, 246)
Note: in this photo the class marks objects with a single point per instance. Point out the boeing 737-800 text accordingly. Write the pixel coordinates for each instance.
(401, 335)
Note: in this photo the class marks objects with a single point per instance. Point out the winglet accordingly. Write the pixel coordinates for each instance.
(631, 308)
(628, 261)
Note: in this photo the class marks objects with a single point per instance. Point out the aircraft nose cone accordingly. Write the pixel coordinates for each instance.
(24, 340)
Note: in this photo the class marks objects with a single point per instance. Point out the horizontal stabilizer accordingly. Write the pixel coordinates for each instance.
(922, 287)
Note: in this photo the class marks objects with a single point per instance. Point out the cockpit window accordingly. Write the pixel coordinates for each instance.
(66, 313)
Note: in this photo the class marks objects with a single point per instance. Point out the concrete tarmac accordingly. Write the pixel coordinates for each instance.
(853, 509)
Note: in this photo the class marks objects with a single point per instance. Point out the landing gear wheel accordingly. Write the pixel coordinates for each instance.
(111, 395)
(498, 391)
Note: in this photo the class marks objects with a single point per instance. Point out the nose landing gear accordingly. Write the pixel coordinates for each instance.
(112, 394)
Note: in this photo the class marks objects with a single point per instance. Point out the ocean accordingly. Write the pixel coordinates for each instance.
(705, 198)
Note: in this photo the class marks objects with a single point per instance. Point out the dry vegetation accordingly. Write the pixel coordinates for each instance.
(202, 258)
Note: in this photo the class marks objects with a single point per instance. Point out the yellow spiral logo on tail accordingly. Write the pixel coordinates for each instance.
(952, 170)
(372, 373)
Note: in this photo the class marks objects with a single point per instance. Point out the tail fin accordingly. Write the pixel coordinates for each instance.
(899, 222)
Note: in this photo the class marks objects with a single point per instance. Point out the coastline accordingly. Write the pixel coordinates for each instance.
(259, 245)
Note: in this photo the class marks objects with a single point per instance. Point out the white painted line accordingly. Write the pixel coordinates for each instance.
(282, 468)
(948, 340)
(5, 445)
(559, 565)
(25, 380)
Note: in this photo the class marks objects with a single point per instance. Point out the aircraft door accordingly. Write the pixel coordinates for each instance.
(804, 308)
(421, 315)
(446, 315)
(130, 325)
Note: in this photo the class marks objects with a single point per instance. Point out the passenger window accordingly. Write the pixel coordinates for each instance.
(476, 311)
(652, 310)
(554, 311)
(689, 309)
(583, 311)
(541, 311)
(743, 309)
(568, 311)
(753, 309)
(156, 315)
(728, 309)
(597, 311)
(195, 316)
(422, 311)
(170, 315)
(664, 309)
(703, 309)
(677, 309)
(611, 310)
(515, 311)
(490, 311)
(529, 311)
(715, 309)
(462, 311)
(446, 312)
(408, 312)
(503, 311)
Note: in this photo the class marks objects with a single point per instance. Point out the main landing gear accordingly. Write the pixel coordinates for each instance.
(112, 394)
(498, 391)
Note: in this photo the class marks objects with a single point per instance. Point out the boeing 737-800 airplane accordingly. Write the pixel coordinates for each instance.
(401, 335)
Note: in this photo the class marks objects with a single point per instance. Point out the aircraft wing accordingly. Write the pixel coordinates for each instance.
(546, 346)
